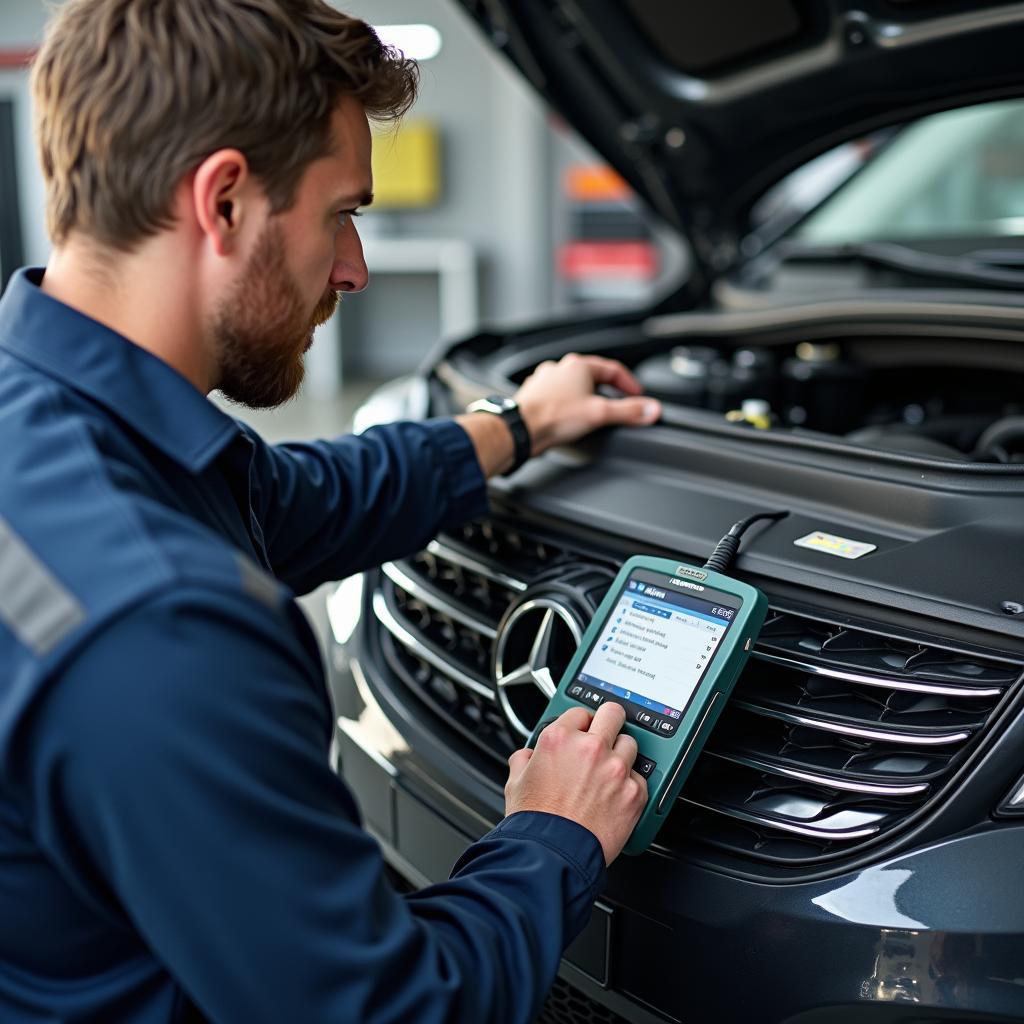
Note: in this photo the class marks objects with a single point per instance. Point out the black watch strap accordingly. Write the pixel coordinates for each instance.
(520, 436)
(508, 410)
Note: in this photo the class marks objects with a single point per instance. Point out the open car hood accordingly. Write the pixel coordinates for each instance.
(702, 106)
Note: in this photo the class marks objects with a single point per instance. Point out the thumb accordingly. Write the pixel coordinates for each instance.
(517, 764)
(631, 411)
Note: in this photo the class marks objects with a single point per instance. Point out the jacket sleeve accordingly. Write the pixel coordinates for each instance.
(331, 508)
(178, 773)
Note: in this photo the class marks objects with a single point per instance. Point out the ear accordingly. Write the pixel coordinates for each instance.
(221, 189)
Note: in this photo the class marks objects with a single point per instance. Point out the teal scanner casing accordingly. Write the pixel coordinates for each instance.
(668, 643)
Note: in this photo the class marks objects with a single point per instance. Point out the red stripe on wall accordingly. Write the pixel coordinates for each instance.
(580, 260)
(16, 58)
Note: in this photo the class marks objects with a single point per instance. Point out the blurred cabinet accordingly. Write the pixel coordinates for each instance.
(421, 290)
(11, 251)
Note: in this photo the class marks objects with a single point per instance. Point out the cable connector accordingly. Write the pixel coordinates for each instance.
(725, 550)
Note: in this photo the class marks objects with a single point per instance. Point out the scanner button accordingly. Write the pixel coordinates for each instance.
(746, 646)
(667, 726)
(644, 717)
(644, 766)
(575, 691)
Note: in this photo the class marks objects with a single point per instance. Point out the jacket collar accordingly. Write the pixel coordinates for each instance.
(146, 393)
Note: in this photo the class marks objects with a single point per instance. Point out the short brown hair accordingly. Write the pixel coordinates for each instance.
(131, 95)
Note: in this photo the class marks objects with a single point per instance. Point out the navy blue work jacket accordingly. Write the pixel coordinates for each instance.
(173, 844)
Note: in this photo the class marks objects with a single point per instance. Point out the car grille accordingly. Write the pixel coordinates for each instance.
(568, 1005)
(836, 734)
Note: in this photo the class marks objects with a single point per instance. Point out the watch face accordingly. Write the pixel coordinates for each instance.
(494, 403)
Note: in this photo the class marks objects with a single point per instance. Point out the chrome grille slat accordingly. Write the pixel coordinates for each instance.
(408, 639)
(836, 733)
(795, 828)
(882, 682)
(449, 554)
(887, 735)
(818, 779)
(402, 579)
(878, 654)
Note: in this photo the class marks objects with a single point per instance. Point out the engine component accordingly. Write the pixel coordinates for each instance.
(1002, 442)
(700, 376)
(821, 390)
(755, 412)
(682, 376)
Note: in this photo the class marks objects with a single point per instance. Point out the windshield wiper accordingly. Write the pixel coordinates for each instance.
(893, 256)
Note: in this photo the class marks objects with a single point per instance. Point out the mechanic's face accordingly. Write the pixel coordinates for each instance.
(302, 260)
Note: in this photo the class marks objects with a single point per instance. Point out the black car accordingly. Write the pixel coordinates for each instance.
(848, 846)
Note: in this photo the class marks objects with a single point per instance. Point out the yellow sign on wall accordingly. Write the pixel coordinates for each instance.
(407, 166)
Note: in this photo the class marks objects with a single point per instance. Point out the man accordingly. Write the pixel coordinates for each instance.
(173, 845)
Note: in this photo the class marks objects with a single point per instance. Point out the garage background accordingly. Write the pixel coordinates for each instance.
(490, 211)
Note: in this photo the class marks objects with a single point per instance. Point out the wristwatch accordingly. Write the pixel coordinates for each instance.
(508, 410)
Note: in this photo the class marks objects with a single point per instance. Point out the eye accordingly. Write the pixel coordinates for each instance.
(343, 216)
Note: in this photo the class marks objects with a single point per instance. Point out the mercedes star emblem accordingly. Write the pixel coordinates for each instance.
(532, 651)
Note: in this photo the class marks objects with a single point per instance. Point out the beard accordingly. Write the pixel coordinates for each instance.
(262, 329)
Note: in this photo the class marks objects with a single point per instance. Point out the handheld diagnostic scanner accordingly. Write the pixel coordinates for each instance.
(667, 643)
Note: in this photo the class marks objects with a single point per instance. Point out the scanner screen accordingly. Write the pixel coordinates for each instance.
(657, 645)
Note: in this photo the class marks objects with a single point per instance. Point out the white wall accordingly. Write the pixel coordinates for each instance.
(21, 22)
(496, 157)
(497, 192)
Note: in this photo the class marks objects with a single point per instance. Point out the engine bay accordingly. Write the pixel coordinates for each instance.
(937, 400)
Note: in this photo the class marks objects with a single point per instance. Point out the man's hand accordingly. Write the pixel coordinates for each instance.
(581, 769)
(559, 405)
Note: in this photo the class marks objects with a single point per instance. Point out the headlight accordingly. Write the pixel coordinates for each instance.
(1014, 802)
(407, 398)
(344, 607)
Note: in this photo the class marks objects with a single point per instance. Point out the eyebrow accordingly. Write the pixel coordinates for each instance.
(344, 202)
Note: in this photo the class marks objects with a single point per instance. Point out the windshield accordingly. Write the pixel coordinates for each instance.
(955, 174)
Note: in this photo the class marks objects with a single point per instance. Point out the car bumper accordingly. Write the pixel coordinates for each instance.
(934, 934)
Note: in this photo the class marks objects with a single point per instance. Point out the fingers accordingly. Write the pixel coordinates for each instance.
(607, 722)
(627, 411)
(517, 764)
(558, 403)
(518, 759)
(611, 371)
(626, 748)
(635, 411)
(575, 718)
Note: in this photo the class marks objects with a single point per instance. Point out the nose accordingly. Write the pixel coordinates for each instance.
(349, 273)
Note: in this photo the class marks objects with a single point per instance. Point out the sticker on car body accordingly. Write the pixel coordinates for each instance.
(830, 544)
